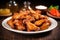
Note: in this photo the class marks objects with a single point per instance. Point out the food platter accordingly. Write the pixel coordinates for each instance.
(51, 27)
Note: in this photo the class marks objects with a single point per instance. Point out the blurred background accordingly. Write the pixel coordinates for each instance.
(33, 2)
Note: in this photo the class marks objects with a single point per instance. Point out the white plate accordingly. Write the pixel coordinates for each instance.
(51, 27)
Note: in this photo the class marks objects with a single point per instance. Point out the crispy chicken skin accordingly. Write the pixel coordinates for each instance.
(31, 26)
(10, 23)
(19, 25)
(31, 10)
(38, 11)
(39, 22)
(45, 26)
(29, 20)
(43, 17)
(16, 16)
(35, 14)
(26, 12)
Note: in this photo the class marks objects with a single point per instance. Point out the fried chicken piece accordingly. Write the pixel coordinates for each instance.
(16, 16)
(39, 22)
(45, 26)
(47, 20)
(24, 14)
(20, 15)
(43, 17)
(10, 23)
(19, 25)
(31, 27)
(31, 10)
(38, 11)
(30, 18)
(35, 14)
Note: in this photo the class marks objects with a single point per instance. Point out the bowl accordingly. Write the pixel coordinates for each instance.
(41, 7)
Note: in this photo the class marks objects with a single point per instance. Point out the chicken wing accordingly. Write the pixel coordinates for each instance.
(20, 15)
(39, 22)
(43, 17)
(10, 23)
(31, 10)
(30, 18)
(19, 25)
(24, 14)
(35, 14)
(45, 26)
(38, 11)
(16, 16)
(31, 27)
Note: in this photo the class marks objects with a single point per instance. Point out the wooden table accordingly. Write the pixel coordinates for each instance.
(8, 35)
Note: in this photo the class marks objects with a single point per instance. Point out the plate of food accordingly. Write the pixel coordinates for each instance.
(54, 12)
(29, 22)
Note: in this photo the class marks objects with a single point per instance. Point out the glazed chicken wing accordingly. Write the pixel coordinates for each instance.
(35, 14)
(43, 17)
(10, 23)
(24, 14)
(31, 27)
(31, 10)
(45, 26)
(19, 25)
(20, 15)
(38, 11)
(39, 22)
(16, 16)
(30, 18)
